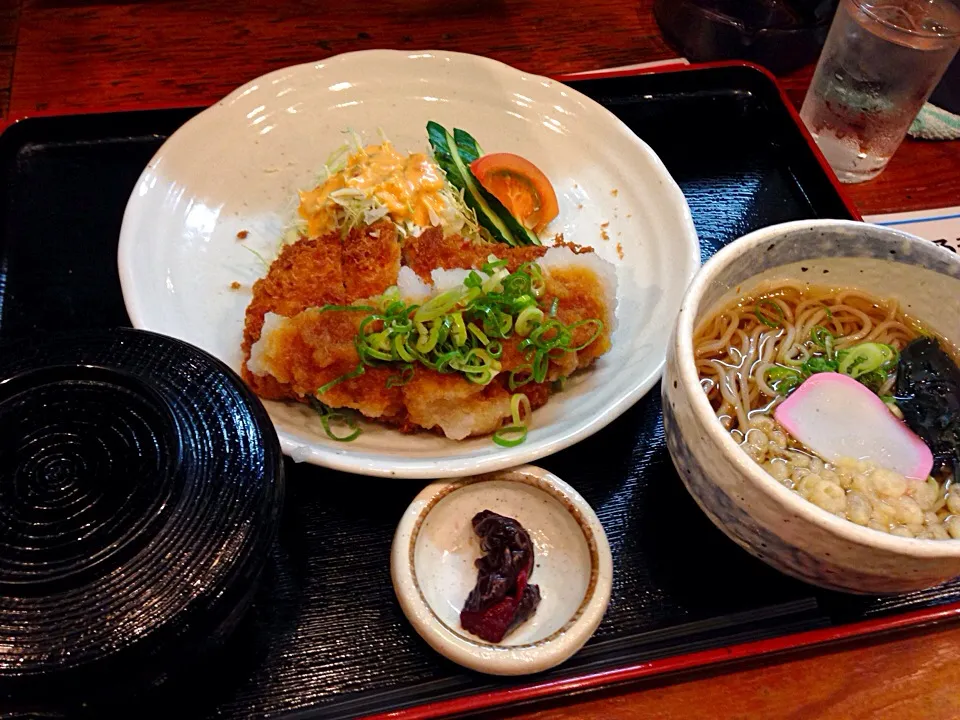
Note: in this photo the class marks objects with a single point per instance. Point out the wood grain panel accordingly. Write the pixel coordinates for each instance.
(166, 52)
(912, 678)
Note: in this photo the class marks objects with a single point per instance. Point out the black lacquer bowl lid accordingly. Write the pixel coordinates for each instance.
(140, 490)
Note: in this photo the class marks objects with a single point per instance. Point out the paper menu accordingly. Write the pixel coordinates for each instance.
(941, 225)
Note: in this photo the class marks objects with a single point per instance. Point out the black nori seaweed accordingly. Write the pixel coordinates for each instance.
(928, 395)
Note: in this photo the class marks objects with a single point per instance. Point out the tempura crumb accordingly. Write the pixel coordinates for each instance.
(620, 251)
(235, 285)
(614, 192)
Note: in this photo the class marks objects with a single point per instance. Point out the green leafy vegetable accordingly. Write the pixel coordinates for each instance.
(470, 151)
(448, 158)
(455, 161)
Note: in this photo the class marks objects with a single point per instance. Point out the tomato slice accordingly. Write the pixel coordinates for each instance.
(520, 185)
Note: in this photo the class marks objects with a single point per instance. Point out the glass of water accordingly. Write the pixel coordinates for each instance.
(881, 61)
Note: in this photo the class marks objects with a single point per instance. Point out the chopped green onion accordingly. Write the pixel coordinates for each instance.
(510, 436)
(818, 364)
(515, 433)
(400, 347)
(823, 338)
(494, 283)
(520, 408)
(438, 305)
(893, 361)
(329, 416)
(764, 318)
(358, 370)
(427, 342)
(513, 382)
(783, 379)
(541, 363)
(405, 376)
(528, 318)
(478, 333)
(550, 334)
(598, 325)
(873, 380)
(493, 264)
(458, 331)
(537, 284)
(349, 308)
(864, 358)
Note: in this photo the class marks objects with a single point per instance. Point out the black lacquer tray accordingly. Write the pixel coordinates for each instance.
(326, 637)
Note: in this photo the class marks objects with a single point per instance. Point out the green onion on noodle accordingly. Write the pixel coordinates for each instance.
(766, 319)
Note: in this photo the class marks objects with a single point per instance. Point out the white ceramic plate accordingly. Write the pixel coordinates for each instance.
(237, 166)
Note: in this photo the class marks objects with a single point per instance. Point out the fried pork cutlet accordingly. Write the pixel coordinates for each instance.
(432, 250)
(578, 298)
(314, 347)
(316, 272)
(311, 349)
(371, 260)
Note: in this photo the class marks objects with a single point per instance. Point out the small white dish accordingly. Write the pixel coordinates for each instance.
(236, 168)
(432, 565)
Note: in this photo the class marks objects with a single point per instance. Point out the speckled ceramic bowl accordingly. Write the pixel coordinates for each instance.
(433, 571)
(762, 516)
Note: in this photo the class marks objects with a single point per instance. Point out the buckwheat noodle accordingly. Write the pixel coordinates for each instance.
(734, 349)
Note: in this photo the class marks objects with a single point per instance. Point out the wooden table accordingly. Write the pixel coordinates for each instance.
(72, 55)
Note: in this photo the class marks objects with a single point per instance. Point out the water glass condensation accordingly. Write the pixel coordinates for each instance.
(881, 61)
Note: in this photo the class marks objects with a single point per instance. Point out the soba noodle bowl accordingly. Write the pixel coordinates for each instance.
(752, 353)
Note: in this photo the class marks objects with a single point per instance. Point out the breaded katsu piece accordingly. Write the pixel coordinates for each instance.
(454, 405)
(313, 348)
(371, 260)
(306, 274)
(295, 347)
(432, 250)
(316, 272)
(580, 293)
